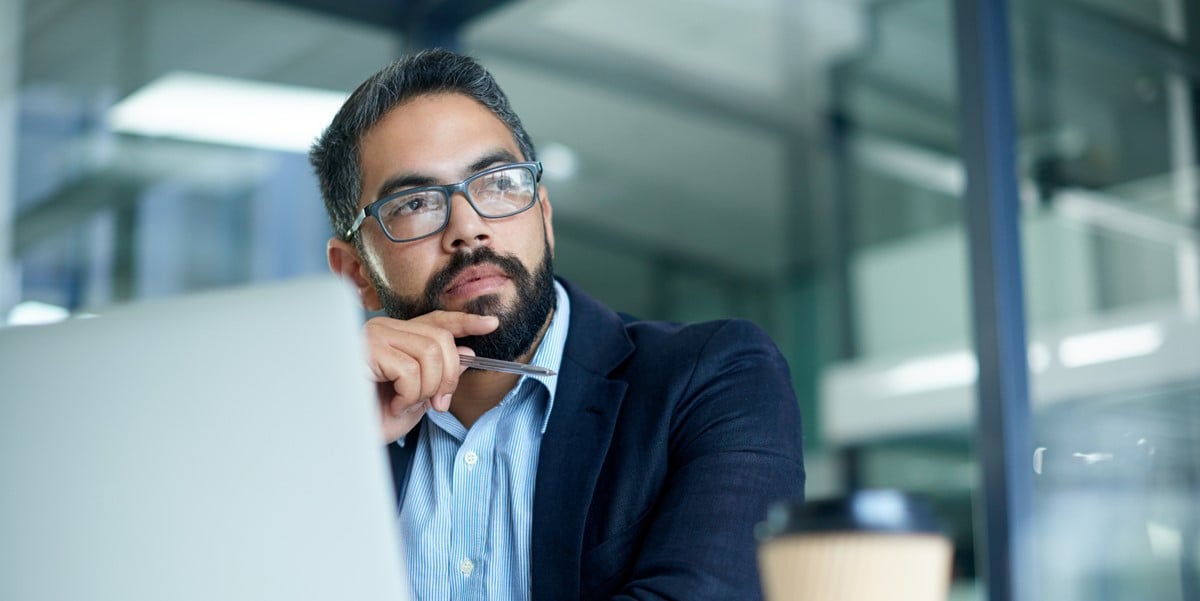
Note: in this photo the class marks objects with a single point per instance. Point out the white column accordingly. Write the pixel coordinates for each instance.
(10, 70)
(1183, 167)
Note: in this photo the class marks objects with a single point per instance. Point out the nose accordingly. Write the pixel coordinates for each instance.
(466, 230)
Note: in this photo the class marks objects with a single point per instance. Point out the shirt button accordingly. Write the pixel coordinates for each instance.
(466, 566)
(471, 458)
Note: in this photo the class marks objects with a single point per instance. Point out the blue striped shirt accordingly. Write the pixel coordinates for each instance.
(468, 509)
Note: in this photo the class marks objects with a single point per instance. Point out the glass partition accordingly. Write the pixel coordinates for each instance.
(107, 207)
(898, 401)
(1109, 170)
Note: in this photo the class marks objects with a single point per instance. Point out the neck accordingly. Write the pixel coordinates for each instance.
(480, 390)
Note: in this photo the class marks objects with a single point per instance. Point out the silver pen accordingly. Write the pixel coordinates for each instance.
(510, 367)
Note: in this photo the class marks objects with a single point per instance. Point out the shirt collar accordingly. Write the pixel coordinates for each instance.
(550, 352)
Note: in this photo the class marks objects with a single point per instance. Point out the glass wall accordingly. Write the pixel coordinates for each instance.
(897, 400)
(1108, 163)
(104, 213)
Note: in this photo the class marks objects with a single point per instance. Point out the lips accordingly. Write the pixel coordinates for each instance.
(476, 280)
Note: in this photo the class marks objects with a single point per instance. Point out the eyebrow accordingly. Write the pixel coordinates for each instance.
(404, 181)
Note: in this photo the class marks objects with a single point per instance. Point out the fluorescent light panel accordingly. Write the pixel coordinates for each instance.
(935, 372)
(1111, 345)
(223, 110)
(949, 370)
(560, 161)
(31, 313)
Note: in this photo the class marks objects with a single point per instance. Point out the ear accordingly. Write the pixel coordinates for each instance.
(345, 261)
(547, 215)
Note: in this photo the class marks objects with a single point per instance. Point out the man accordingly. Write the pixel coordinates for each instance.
(638, 471)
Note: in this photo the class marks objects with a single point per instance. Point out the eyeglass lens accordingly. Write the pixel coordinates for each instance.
(493, 194)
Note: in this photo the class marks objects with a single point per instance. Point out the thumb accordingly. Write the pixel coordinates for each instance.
(464, 350)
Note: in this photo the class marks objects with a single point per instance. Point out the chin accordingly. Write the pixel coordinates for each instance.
(485, 304)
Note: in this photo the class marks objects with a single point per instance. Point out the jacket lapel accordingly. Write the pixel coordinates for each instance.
(400, 458)
(576, 442)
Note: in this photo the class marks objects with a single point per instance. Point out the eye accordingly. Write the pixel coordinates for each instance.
(505, 181)
(413, 204)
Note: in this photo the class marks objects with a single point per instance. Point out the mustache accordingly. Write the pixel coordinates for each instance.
(463, 260)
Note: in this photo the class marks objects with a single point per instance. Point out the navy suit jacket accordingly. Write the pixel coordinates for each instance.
(665, 447)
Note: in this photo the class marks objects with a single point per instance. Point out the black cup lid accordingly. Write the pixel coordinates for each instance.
(863, 511)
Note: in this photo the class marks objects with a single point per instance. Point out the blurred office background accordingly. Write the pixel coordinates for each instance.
(794, 162)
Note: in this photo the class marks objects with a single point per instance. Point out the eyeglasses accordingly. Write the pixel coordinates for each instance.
(494, 193)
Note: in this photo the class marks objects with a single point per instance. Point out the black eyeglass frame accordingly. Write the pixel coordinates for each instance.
(449, 190)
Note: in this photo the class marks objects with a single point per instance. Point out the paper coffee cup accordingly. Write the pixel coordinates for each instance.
(872, 546)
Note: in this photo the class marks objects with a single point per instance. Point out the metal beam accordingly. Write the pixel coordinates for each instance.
(1151, 47)
(138, 162)
(639, 75)
(402, 15)
(10, 68)
(988, 134)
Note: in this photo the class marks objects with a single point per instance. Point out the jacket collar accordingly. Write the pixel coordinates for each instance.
(575, 444)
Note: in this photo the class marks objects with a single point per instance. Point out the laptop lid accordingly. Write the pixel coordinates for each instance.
(222, 445)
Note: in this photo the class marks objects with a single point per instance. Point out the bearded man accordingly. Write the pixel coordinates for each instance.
(637, 471)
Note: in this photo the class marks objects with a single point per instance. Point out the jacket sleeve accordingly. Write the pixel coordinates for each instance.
(734, 450)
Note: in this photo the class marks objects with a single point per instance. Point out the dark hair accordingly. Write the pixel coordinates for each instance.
(334, 156)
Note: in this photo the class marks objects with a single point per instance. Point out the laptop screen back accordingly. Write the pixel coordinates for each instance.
(216, 446)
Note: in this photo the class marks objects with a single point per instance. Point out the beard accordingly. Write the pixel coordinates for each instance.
(520, 323)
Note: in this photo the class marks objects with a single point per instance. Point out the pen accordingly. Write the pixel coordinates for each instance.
(510, 367)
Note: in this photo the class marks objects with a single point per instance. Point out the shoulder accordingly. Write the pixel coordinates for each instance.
(718, 339)
(598, 332)
(729, 363)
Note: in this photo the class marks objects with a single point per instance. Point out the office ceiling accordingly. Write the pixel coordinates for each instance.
(695, 122)
(670, 104)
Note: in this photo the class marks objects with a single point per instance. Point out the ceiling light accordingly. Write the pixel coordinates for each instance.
(1110, 345)
(560, 162)
(932, 373)
(223, 110)
(1039, 357)
(30, 313)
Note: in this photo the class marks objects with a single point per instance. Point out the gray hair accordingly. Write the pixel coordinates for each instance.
(335, 155)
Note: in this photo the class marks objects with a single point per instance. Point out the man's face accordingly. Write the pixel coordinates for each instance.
(497, 267)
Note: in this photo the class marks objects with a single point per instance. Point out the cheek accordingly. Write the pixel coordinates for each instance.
(410, 278)
(406, 273)
(530, 240)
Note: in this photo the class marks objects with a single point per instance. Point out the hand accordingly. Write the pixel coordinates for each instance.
(415, 363)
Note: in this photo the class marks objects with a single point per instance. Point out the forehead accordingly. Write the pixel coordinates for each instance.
(433, 134)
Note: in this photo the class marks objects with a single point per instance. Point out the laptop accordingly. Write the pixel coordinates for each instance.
(216, 446)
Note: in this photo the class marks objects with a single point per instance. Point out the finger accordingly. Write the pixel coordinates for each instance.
(435, 353)
(402, 379)
(405, 411)
(443, 327)
(396, 426)
(391, 405)
(432, 359)
(429, 340)
(456, 323)
(460, 324)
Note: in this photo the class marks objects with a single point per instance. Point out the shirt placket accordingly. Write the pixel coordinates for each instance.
(472, 489)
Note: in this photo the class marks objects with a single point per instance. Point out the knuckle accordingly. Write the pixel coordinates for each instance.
(446, 339)
(431, 354)
(408, 367)
(406, 393)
